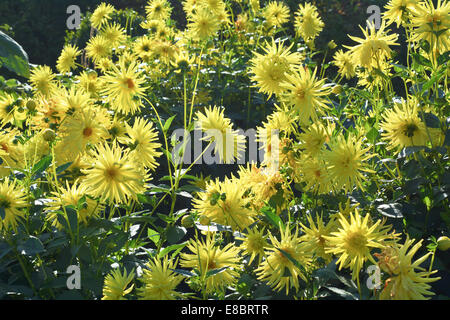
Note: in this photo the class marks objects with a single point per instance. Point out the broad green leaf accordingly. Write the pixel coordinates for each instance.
(13, 57)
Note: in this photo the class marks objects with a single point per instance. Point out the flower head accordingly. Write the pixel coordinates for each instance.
(116, 285)
(308, 24)
(12, 201)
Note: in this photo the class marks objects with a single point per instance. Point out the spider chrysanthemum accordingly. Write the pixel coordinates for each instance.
(229, 144)
(254, 243)
(407, 280)
(402, 126)
(124, 87)
(42, 80)
(355, 240)
(278, 268)
(269, 69)
(206, 256)
(116, 285)
(203, 24)
(224, 203)
(276, 13)
(305, 93)
(308, 23)
(142, 141)
(346, 162)
(114, 176)
(101, 14)
(399, 11)
(159, 280)
(345, 63)
(12, 201)
(67, 59)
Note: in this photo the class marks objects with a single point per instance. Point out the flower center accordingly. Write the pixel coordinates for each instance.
(87, 132)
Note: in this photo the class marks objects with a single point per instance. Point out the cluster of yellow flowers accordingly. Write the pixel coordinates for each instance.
(95, 129)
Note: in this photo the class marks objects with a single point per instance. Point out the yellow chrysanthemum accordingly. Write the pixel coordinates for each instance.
(124, 87)
(432, 23)
(225, 204)
(143, 48)
(399, 11)
(278, 269)
(42, 80)
(203, 24)
(374, 47)
(354, 240)
(158, 10)
(345, 63)
(228, 143)
(113, 33)
(101, 15)
(116, 285)
(276, 13)
(89, 83)
(11, 152)
(307, 23)
(404, 282)
(313, 172)
(71, 195)
(207, 256)
(159, 280)
(7, 109)
(304, 92)
(114, 176)
(315, 136)
(12, 201)
(98, 48)
(66, 60)
(402, 126)
(254, 243)
(271, 68)
(142, 141)
(314, 237)
(345, 160)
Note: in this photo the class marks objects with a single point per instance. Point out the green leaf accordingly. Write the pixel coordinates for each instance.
(175, 234)
(213, 272)
(63, 167)
(2, 213)
(153, 235)
(173, 247)
(31, 246)
(13, 57)
(273, 218)
(168, 123)
(431, 120)
(295, 262)
(42, 165)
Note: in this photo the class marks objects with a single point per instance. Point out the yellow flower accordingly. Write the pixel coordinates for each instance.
(113, 33)
(304, 92)
(308, 24)
(71, 195)
(399, 11)
(432, 23)
(113, 176)
(225, 204)
(42, 80)
(143, 48)
(158, 9)
(141, 140)
(124, 87)
(254, 243)
(159, 280)
(203, 24)
(11, 152)
(314, 237)
(404, 282)
(276, 13)
(355, 239)
(12, 201)
(345, 160)
(7, 109)
(66, 60)
(207, 256)
(278, 269)
(271, 68)
(402, 126)
(374, 47)
(313, 171)
(89, 83)
(228, 143)
(101, 15)
(314, 137)
(345, 63)
(116, 283)
(98, 48)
